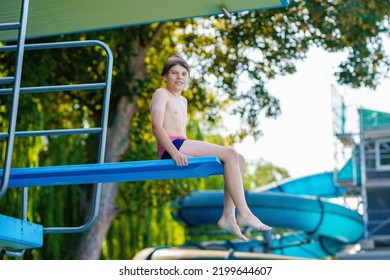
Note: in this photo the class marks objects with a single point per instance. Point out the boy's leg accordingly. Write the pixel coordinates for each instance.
(227, 221)
(233, 182)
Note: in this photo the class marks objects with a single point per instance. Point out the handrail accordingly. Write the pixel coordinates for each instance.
(101, 154)
(106, 86)
(102, 130)
(102, 145)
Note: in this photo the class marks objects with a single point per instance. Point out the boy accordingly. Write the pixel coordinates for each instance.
(169, 118)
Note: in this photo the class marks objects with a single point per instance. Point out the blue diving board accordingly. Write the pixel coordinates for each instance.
(201, 167)
(19, 234)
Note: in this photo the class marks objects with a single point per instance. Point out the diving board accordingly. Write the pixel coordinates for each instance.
(19, 234)
(54, 17)
(131, 171)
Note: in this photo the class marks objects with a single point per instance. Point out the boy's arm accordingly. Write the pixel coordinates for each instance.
(157, 109)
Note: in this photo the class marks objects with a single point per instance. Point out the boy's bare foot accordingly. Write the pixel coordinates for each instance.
(252, 221)
(232, 227)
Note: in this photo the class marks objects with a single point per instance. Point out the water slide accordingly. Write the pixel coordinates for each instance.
(316, 227)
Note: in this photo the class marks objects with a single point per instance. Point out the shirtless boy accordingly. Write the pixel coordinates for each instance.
(169, 119)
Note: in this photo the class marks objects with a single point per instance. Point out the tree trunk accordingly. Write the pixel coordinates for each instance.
(91, 242)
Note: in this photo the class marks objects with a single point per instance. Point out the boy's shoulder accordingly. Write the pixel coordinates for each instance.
(161, 91)
(160, 94)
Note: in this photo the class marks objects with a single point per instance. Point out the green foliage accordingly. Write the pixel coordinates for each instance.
(262, 173)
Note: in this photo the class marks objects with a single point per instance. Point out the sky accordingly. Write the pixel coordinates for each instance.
(301, 139)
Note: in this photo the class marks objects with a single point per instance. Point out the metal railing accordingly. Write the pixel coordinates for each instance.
(102, 129)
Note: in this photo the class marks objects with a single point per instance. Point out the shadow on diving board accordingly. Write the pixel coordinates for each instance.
(132, 171)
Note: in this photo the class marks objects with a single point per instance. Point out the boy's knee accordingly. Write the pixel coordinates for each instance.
(230, 154)
(241, 159)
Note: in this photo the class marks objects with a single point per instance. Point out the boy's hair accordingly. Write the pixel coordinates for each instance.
(172, 61)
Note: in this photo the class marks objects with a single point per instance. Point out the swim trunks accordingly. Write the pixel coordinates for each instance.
(177, 141)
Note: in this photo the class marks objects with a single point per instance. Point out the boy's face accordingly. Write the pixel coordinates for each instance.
(177, 78)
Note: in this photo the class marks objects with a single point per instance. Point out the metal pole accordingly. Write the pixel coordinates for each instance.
(363, 179)
(15, 99)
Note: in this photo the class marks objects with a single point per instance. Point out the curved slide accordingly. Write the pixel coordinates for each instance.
(317, 228)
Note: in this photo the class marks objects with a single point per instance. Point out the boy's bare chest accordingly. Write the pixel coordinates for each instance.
(176, 109)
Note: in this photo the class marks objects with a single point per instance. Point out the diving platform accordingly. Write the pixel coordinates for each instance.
(54, 17)
(19, 234)
(201, 167)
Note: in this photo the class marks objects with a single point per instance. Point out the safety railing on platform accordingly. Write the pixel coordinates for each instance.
(102, 129)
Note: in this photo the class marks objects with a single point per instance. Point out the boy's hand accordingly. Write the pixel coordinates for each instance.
(180, 159)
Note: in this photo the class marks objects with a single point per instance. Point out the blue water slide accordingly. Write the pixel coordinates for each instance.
(316, 227)
(321, 185)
